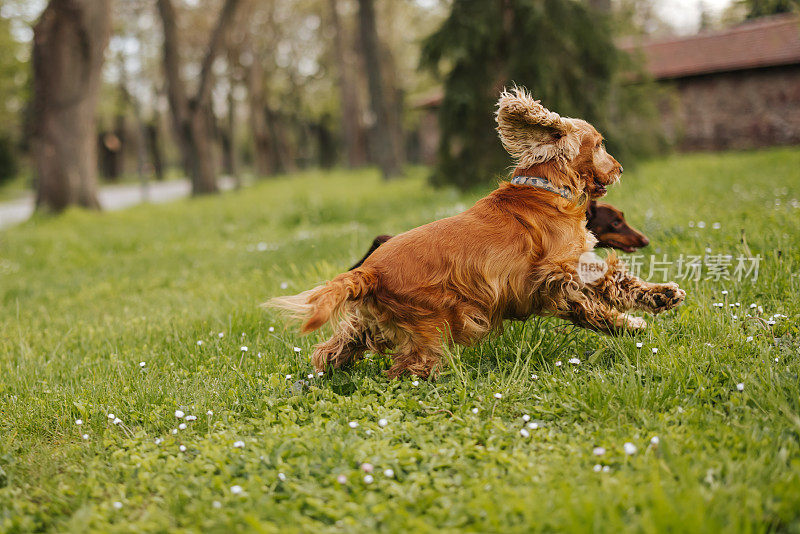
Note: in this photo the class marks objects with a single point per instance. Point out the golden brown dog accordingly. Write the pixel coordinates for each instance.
(606, 222)
(513, 254)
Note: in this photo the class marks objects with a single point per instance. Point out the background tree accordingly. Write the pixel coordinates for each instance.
(13, 94)
(386, 150)
(762, 8)
(562, 50)
(352, 130)
(191, 115)
(69, 42)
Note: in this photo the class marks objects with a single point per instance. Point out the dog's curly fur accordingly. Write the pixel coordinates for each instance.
(513, 254)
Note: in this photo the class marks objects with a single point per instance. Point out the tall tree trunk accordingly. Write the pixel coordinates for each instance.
(68, 48)
(354, 139)
(385, 149)
(262, 142)
(190, 115)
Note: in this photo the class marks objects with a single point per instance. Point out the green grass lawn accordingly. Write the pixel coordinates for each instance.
(86, 297)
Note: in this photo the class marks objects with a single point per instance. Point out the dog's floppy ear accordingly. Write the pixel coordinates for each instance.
(531, 133)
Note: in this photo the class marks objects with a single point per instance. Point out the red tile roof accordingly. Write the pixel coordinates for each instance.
(764, 42)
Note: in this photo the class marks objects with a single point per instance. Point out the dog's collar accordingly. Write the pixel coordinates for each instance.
(542, 183)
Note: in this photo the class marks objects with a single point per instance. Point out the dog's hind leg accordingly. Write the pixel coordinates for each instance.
(346, 346)
(414, 362)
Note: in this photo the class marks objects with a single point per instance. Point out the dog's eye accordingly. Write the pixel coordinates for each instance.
(616, 224)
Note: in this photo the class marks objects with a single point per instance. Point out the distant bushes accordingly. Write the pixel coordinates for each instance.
(8, 159)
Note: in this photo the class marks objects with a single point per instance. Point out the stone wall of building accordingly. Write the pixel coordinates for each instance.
(740, 109)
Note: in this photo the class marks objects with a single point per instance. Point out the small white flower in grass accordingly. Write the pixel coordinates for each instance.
(182, 448)
(606, 469)
(382, 422)
(284, 285)
(117, 505)
(534, 377)
(526, 418)
(599, 451)
(244, 348)
(271, 329)
(737, 304)
(558, 363)
(597, 468)
(691, 224)
(209, 413)
(216, 504)
(310, 376)
(639, 344)
(341, 479)
(574, 361)
(716, 226)
(740, 386)
(475, 411)
(238, 444)
(78, 422)
(85, 436)
(221, 335)
(388, 473)
(749, 338)
(191, 418)
(199, 342)
(367, 467)
(533, 426)
(369, 432)
(288, 377)
(158, 441)
(701, 224)
(777, 360)
(498, 395)
(524, 433)
(111, 416)
(654, 441)
(142, 364)
(771, 323)
(415, 383)
(117, 420)
(297, 349)
(630, 448)
(282, 477)
(368, 479)
(174, 431)
(236, 490)
(753, 306)
(724, 291)
(353, 424)
(320, 374)
(655, 350)
(182, 426)
(179, 414)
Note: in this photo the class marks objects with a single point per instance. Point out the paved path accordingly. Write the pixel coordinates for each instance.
(112, 197)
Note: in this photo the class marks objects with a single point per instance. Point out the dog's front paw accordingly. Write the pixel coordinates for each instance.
(665, 297)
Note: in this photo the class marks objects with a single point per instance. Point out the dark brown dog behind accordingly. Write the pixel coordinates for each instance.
(606, 222)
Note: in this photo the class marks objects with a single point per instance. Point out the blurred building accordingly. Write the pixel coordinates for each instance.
(734, 88)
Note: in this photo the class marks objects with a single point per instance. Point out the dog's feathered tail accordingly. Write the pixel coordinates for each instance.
(317, 306)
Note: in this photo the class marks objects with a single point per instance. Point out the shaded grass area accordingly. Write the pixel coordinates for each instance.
(87, 297)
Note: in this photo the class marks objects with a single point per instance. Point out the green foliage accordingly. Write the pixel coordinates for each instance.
(87, 296)
(763, 8)
(561, 50)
